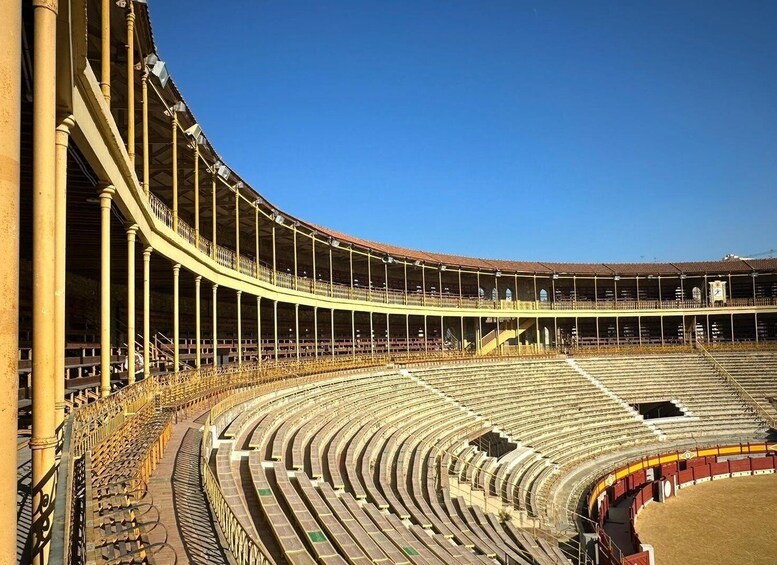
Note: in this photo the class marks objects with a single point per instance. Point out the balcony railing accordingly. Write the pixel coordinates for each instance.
(226, 257)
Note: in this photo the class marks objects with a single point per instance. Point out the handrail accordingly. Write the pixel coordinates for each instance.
(248, 265)
(747, 397)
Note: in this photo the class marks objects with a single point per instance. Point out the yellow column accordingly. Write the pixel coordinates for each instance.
(176, 318)
(259, 328)
(175, 170)
(256, 237)
(315, 331)
(237, 230)
(105, 48)
(239, 329)
(294, 246)
(10, 115)
(131, 83)
(198, 358)
(62, 137)
(146, 312)
(44, 438)
(215, 325)
(196, 195)
(131, 231)
(275, 328)
(105, 290)
(144, 94)
(296, 328)
(213, 207)
(353, 333)
(332, 331)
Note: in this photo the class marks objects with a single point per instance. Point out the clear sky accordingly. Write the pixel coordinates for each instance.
(566, 131)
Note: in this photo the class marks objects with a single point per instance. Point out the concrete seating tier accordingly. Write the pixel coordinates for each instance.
(756, 371)
(712, 406)
(351, 471)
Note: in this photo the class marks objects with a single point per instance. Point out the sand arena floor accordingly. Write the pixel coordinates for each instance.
(725, 522)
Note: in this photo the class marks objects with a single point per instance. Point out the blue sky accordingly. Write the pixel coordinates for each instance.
(559, 131)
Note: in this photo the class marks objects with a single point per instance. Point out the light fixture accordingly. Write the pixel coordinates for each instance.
(417, 263)
(222, 170)
(498, 273)
(555, 276)
(683, 276)
(443, 268)
(279, 219)
(388, 259)
(195, 132)
(158, 69)
(178, 107)
(334, 243)
(617, 277)
(239, 184)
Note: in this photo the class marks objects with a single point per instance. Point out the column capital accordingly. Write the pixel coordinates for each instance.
(147, 251)
(215, 287)
(131, 230)
(239, 292)
(52, 5)
(198, 279)
(177, 268)
(106, 195)
(65, 122)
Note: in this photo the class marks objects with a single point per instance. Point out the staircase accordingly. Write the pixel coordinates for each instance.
(756, 406)
(507, 330)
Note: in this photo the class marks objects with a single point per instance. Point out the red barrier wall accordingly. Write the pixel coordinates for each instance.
(685, 476)
(739, 465)
(641, 558)
(720, 468)
(761, 463)
(701, 471)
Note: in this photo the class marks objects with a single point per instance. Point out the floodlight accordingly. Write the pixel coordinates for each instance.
(334, 243)
(222, 170)
(158, 69)
(498, 273)
(279, 219)
(417, 263)
(194, 132)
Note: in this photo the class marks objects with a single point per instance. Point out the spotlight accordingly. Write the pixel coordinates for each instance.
(158, 69)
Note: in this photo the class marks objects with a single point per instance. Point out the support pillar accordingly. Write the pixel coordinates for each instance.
(259, 329)
(315, 331)
(197, 321)
(131, 231)
(237, 230)
(176, 319)
(105, 291)
(239, 328)
(44, 439)
(131, 83)
(105, 48)
(175, 168)
(213, 215)
(215, 326)
(353, 333)
(275, 326)
(296, 329)
(62, 139)
(147, 312)
(10, 119)
(332, 331)
(144, 96)
(372, 337)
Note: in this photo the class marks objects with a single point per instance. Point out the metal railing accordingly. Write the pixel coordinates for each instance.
(746, 396)
(226, 257)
